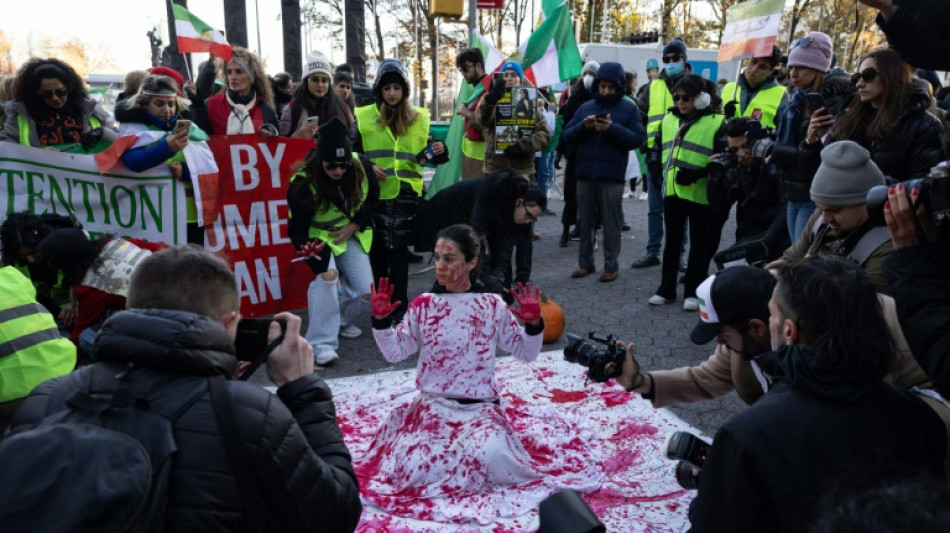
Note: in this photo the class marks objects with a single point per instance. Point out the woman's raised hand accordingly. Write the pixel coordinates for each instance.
(530, 304)
(380, 305)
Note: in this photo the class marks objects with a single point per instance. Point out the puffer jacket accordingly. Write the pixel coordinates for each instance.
(604, 156)
(910, 152)
(303, 470)
(836, 90)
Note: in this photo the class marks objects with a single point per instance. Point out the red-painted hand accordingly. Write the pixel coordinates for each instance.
(530, 307)
(311, 249)
(379, 301)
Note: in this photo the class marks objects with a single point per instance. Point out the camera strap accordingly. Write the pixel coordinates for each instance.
(260, 358)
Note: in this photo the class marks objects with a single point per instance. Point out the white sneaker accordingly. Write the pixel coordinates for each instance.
(350, 331)
(656, 299)
(643, 196)
(627, 195)
(690, 304)
(325, 357)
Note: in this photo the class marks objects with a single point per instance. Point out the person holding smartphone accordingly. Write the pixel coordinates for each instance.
(314, 101)
(809, 59)
(154, 115)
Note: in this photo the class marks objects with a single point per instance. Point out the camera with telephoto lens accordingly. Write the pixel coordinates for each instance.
(604, 360)
(933, 191)
(691, 452)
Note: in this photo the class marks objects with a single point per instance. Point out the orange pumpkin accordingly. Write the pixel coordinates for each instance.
(554, 321)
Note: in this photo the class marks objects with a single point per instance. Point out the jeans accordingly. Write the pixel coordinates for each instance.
(329, 311)
(654, 217)
(88, 338)
(544, 165)
(798, 213)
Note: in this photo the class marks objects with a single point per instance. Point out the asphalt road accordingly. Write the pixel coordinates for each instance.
(660, 334)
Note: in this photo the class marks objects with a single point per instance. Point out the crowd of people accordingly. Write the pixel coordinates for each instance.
(834, 331)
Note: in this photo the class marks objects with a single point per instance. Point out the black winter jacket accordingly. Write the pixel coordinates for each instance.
(303, 467)
(910, 152)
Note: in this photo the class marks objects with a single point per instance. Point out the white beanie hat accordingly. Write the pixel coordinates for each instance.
(317, 62)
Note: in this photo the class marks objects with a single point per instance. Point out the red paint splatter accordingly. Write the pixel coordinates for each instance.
(563, 396)
(613, 398)
(633, 430)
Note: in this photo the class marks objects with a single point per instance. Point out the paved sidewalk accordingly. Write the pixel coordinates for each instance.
(661, 334)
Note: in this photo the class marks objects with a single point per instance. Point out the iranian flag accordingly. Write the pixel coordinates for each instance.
(751, 28)
(196, 36)
(493, 61)
(551, 54)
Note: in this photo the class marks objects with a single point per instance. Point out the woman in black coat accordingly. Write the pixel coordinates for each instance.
(888, 116)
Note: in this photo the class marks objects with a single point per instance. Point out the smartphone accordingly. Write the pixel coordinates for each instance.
(815, 102)
(251, 339)
(500, 76)
(182, 124)
(313, 122)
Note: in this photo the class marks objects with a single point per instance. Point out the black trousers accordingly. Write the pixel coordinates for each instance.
(676, 211)
(392, 263)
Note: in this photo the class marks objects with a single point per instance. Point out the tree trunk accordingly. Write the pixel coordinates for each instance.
(290, 22)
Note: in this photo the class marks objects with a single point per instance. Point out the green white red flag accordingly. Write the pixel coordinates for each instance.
(194, 35)
(493, 61)
(751, 29)
(551, 54)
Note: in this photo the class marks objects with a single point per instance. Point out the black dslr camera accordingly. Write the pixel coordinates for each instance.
(933, 191)
(691, 451)
(761, 142)
(604, 360)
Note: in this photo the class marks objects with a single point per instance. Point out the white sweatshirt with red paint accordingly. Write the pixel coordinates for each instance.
(456, 336)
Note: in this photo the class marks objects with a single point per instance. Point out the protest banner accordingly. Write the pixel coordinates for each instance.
(145, 205)
(251, 227)
(514, 116)
(751, 28)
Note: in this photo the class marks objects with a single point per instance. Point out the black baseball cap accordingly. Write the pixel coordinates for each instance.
(732, 294)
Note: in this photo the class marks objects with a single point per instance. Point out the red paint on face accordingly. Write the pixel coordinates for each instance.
(451, 269)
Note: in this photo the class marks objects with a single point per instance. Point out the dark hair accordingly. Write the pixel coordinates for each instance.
(839, 316)
(534, 195)
(28, 80)
(73, 252)
(342, 76)
(184, 278)
(26, 229)
(280, 79)
(895, 75)
(470, 55)
(693, 85)
(328, 107)
(316, 179)
(469, 243)
(737, 127)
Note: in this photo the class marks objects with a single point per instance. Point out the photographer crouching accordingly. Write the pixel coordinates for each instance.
(742, 177)
(918, 269)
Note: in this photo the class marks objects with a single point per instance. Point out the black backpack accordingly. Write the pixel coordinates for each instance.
(102, 464)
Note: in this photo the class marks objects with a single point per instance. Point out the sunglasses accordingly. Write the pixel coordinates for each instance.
(333, 165)
(674, 58)
(60, 93)
(318, 79)
(681, 98)
(867, 75)
(805, 42)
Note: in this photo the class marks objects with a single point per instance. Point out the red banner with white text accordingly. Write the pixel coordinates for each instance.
(251, 227)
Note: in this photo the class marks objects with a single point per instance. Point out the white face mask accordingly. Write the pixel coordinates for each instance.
(588, 81)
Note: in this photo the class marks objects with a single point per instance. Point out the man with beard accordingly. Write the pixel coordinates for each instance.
(471, 63)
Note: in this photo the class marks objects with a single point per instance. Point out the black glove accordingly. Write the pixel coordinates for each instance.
(689, 176)
(496, 91)
(515, 151)
(90, 138)
(557, 160)
(729, 109)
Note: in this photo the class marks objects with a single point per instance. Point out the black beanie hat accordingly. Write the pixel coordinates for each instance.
(64, 247)
(334, 141)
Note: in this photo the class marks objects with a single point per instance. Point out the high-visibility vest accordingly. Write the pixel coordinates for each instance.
(473, 149)
(763, 106)
(660, 102)
(323, 222)
(31, 348)
(397, 156)
(24, 124)
(691, 151)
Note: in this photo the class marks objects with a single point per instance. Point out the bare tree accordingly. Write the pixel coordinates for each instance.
(666, 18)
(720, 10)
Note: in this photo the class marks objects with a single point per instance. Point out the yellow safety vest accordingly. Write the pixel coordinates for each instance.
(24, 125)
(765, 101)
(691, 151)
(473, 149)
(323, 222)
(660, 102)
(396, 156)
(31, 348)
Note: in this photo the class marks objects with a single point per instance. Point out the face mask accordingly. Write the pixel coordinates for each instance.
(673, 69)
(588, 81)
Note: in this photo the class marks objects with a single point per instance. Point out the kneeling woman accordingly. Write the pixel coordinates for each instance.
(453, 453)
(331, 210)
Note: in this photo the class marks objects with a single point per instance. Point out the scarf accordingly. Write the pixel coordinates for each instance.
(239, 121)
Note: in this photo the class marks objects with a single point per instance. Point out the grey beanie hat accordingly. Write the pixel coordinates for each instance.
(845, 175)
